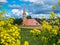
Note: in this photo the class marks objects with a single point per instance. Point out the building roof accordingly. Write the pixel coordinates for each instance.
(31, 22)
(24, 11)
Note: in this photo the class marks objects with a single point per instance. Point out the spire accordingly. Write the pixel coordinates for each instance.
(24, 11)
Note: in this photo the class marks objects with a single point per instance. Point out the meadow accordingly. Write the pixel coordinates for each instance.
(49, 34)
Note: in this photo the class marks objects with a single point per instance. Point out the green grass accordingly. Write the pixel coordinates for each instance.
(26, 36)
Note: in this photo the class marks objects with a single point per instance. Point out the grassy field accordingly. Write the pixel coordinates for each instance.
(26, 36)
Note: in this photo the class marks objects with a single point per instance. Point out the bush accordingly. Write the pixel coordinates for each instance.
(9, 33)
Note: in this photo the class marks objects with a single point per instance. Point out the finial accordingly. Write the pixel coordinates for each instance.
(24, 11)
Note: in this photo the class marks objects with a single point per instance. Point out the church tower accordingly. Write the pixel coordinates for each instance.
(24, 15)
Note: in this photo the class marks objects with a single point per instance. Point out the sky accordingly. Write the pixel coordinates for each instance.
(34, 8)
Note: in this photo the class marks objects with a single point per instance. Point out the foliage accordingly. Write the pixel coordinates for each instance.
(2, 14)
(18, 21)
(49, 34)
(28, 17)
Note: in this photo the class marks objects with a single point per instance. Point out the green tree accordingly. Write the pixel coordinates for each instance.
(18, 21)
(28, 17)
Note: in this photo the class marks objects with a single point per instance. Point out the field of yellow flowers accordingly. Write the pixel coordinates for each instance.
(49, 34)
(9, 34)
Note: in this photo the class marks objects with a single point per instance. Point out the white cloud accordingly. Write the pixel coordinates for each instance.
(40, 16)
(58, 15)
(42, 1)
(18, 12)
(35, 1)
(8, 15)
(14, 6)
(3, 1)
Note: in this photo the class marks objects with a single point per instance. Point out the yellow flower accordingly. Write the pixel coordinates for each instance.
(4, 37)
(13, 34)
(18, 42)
(9, 25)
(53, 6)
(2, 40)
(59, 2)
(55, 32)
(49, 27)
(54, 44)
(9, 40)
(44, 26)
(37, 31)
(9, 34)
(58, 41)
(31, 31)
(56, 27)
(2, 23)
(6, 44)
(26, 43)
(44, 22)
(52, 13)
(43, 38)
(1, 35)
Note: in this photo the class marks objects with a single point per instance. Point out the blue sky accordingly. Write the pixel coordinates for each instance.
(35, 8)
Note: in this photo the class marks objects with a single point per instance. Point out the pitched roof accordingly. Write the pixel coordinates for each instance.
(31, 22)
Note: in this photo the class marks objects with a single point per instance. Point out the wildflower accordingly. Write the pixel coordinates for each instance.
(44, 26)
(6, 44)
(43, 38)
(49, 27)
(2, 40)
(55, 32)
(58, 41)
(54, 44)
(2, 23)
(31, 31)
(35, 31)
(59, 2)
(4, 37)
(53, 6)
(26, 43)
(56, 27)
(18, 42)
(9, 25)
(52, 15)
